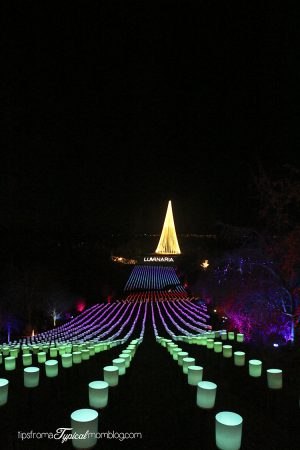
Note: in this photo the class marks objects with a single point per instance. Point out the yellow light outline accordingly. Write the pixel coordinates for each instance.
(168, 242)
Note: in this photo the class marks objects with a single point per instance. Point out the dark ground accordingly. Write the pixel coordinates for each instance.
(154, 398)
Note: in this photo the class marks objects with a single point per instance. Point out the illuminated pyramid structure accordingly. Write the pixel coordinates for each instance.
(158, 282)
(168, 242)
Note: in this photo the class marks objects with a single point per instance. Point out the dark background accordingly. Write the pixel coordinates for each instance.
(112, 108)
(108, 110)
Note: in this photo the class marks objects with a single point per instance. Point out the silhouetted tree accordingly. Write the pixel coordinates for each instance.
(279, 198)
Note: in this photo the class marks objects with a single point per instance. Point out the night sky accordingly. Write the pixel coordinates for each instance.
(112, 108)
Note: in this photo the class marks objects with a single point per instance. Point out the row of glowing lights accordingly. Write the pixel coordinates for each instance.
(206, 391)
(98, 391)
(228, 424)
(109, 321)
(68, 331)
(155, 277)
(113, 316)
(174, 323)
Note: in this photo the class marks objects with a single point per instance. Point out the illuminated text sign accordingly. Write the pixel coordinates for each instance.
(158, 259)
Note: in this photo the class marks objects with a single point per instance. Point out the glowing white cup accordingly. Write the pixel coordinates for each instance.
(10, 363)
(120, 363)
(186, 362)
(98, 394)
(227, 351)
(42, 357)
(239, 359)
(240, 337)
(51, 368)
(210, 343)
(228, 430)
(27, 359)
(67, 360)
(85, 355)
(274, 377)
(76, 357)
(180, 356)
(195, 374)
(91, 349)
(218, 347)
(111, 375)
(31, 377)
(127, 359)
(206, 394)
(224, 335)
(3, 391)
(255, 367)
(83, 421)
(175, 353)
(53, 352)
